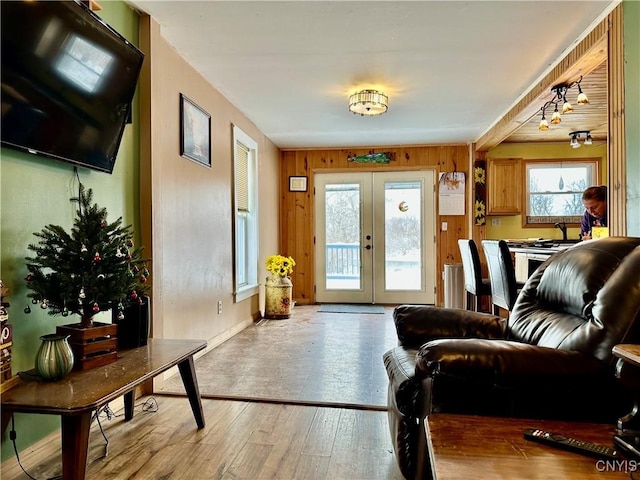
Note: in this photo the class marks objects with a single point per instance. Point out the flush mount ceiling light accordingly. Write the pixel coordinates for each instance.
(575, 136)
(368, 102)
(560, 98)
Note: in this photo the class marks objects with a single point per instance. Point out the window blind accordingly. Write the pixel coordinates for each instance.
(242, 177)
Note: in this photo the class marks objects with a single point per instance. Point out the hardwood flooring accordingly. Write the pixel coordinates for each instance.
(313, 358)
(241, 440)
(303, 437)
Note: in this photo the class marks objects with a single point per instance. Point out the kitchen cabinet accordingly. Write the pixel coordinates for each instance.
(505, 186)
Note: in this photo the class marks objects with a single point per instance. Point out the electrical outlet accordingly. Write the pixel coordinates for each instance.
(444, 226)
(495, 222)
(219, 307)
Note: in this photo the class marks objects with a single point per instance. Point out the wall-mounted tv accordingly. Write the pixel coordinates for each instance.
(68, 80)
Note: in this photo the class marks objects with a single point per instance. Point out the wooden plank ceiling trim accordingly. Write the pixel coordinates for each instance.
(582, 60)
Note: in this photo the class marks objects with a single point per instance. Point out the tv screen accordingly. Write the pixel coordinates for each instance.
(68, 80)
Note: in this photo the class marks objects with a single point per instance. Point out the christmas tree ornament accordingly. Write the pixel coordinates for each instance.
(84, 248)
(101, 276)
(34, 301)
(103, 224)
(28, 278)
(134, 295)
(27, 310)
(130, 243)
(96, 307)
(96, 257)
(143, 279)
(65, 312)
(82, 294)
(120, 315)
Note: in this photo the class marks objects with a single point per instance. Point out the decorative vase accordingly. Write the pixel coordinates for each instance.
(54, 359)
(278, 297)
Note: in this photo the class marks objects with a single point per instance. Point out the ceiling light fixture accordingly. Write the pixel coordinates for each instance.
(560, 96)
(368, 102)
(586, 134)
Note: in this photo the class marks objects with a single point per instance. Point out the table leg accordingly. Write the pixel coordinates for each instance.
(190, 381)
(128, 405)
(629, 377)
(75, 444)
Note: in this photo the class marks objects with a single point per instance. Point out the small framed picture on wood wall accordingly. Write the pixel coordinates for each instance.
(297, 184)
(195, 132)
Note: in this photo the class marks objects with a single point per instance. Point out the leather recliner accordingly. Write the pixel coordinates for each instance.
(552, 358)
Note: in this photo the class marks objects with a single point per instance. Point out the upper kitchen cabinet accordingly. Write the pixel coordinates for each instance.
(504, 186)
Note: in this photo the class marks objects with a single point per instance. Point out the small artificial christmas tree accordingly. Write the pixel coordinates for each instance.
(93, 268)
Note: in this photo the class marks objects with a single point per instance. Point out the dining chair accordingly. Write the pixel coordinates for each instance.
(502, 275)
(474, 285)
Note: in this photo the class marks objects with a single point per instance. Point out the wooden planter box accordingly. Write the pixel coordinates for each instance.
(92, 347)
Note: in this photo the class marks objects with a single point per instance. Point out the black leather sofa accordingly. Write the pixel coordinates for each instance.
(550, 359)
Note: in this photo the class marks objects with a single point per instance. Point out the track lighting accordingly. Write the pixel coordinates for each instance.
(586, 134)
(560, 96)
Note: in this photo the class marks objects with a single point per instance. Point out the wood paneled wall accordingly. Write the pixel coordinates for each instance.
(617, 180)
(297, 208)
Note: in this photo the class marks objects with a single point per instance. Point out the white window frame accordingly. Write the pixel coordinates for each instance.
(245, 223)
(593, 179)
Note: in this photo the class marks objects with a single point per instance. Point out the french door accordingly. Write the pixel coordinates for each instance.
(375, 237)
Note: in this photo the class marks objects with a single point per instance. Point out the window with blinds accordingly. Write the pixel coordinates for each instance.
(242, 177)
(245, 215)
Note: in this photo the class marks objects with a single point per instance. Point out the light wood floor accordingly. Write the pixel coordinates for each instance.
(330, 359)
(242, 439)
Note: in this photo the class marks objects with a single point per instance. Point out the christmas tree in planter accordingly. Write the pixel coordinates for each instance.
(93, 268)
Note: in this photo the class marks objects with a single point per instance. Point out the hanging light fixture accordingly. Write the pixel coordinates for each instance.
(560, 96)
(575, 136)
(544, 125)
(368, 102)
(582, 97)
(556, 118)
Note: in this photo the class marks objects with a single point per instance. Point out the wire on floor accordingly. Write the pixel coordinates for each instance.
(13, 435)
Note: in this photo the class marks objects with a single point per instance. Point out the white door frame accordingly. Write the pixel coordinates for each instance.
(372, 289)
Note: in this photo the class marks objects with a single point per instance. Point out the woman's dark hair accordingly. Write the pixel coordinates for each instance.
(598, 193)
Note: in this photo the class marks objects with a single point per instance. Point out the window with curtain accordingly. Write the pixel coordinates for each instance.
(245, 215)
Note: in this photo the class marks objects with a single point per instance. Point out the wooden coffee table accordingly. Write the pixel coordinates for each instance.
(77, 395)
(465, 446)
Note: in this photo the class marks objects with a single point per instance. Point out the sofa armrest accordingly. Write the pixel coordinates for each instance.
(504, 362)
(418, 324)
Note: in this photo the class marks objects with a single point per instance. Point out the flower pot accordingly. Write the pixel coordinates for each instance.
(54, 358)
(278, 301)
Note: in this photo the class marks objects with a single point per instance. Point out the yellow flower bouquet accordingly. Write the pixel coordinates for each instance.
(280, 265)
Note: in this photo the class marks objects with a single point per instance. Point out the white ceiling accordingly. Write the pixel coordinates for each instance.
(451, 69)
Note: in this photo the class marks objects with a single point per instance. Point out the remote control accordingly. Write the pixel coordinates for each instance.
(572, 444)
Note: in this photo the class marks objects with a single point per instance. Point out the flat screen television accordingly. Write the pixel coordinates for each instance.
(68, 80)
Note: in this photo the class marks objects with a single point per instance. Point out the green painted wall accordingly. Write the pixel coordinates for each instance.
(631, 12)
(35, 192)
